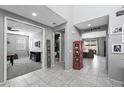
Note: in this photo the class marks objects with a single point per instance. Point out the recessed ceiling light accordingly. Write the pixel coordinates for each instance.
(54, 23)
(34, 14)
(89, 25)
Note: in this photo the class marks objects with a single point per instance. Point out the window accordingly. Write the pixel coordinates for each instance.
(20, 44)
(89, 44)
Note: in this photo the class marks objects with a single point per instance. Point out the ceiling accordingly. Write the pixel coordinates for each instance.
(23, 29)
(44, 15)
(92, 23)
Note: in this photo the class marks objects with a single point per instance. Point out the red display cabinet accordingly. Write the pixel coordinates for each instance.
(77, 55)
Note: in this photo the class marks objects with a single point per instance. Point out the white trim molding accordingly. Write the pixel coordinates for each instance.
(5, 49)
(60, 46)
(116, 82)
(5, 44)
(53, 55)
(44, 50)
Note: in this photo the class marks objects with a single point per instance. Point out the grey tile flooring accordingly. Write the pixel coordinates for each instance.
(93, 74)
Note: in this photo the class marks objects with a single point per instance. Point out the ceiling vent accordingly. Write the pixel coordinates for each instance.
(120, 12)
(11, 29)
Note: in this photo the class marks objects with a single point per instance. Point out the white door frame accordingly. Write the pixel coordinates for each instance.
(60, 46)
(5, 44)
(53, 56)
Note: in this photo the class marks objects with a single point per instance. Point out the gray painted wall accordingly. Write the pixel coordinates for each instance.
(100, 44)
(9, 14)
(74, 35)
(11, 48)
(1, 48)
(115, 61)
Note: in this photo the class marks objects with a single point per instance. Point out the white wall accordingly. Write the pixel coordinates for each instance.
(34, 38)
(87, 12)
(63, 10)
(94, 34)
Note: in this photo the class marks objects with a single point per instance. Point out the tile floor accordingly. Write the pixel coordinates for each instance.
(93, 74)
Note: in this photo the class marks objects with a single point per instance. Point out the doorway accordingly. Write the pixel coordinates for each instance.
(57, 47)
(23, 48)
(90, 48)
(94, 53)
(94, 32)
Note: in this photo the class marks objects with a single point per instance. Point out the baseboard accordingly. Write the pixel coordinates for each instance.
(45, 68)
(52, 65)
(2, 83)
(117, 83)
(67, 70)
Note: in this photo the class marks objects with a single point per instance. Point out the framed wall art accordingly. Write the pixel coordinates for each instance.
(117, 48)
(20, 44)
(122, 38)
(117, 30)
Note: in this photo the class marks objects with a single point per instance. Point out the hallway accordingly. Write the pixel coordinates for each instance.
(96, 65)
(91, 75)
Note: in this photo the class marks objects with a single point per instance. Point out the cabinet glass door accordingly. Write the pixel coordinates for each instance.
(48, 54)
